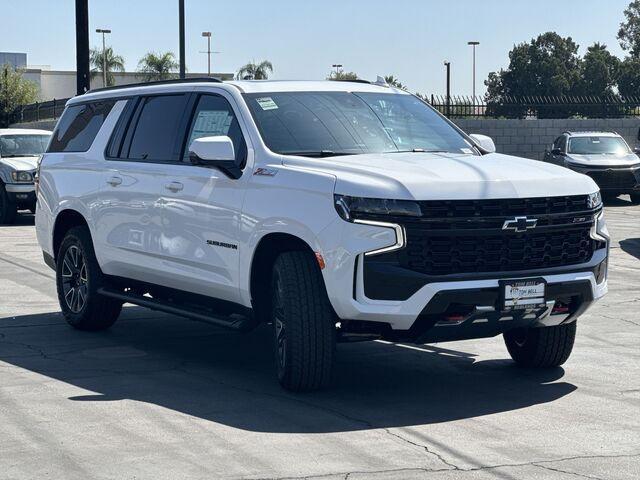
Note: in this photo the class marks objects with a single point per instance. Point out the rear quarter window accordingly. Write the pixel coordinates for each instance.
(78, 126)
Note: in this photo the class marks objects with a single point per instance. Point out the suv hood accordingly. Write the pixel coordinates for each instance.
(604, 160)
(445, 176)
(20, 163)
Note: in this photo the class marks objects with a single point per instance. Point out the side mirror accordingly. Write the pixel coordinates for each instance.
(557, 152)
(216, 152)
(636, 150)
(484, 142)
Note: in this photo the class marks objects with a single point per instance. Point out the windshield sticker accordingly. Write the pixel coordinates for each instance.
(267, 103)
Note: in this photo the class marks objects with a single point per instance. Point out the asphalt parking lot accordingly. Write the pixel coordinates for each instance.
(158, 397)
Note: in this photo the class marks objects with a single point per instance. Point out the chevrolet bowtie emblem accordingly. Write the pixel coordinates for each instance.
(520, 224)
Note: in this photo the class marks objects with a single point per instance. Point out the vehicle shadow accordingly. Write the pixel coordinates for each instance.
(229, 378)
(620, 201)
(23, 218)
(631, 246)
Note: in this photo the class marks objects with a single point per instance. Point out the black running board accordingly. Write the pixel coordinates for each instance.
(236, 322)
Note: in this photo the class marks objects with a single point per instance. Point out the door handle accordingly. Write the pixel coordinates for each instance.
(115, 181)
(174, 186)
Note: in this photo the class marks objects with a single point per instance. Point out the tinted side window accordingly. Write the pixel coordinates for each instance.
(213, 117)
(79, 126)
(158, 128)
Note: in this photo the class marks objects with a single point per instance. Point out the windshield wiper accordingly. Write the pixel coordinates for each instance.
(318, 153)
(418, 150)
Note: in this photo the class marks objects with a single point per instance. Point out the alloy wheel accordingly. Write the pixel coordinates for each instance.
(74, 279)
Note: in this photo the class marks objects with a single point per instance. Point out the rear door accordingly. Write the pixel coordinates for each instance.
(202, 206)
(146, 140)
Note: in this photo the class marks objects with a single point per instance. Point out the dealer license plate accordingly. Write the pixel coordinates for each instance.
(526, 294)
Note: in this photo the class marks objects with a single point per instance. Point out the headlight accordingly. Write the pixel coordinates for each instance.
(594, 201)
(23, 177)
(599, 231)
(352, 208)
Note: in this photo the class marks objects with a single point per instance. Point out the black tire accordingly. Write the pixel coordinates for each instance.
(635, 198)
(304, 323)
(8, 209)
(541, 347)
(78, 278)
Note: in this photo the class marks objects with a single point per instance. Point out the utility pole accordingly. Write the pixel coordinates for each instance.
(447, 64)
(337, 66)
(104, 55)
(474, 45)
(82, 47)
(208, 36)
(181, 33)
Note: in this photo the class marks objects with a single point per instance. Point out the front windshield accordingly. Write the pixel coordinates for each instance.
(598, 146)
(23, 145)
(344, 123)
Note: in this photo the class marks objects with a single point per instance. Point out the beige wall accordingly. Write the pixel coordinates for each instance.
(62, 84)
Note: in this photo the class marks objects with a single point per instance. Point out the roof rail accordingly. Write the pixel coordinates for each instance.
(570, 132)
(160, 82)
(357, 80)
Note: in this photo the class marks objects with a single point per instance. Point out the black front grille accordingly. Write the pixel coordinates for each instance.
(494, 251)
(467, 236)
(613, 179)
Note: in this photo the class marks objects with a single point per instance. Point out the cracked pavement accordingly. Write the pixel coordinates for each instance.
(159, 397)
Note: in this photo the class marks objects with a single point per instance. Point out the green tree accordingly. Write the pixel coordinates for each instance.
(114, 63)
(598, 72)
(14, 91)
(394, 82)
(342, 75)
(255, 71)
(629, 32)
(157, 67)
(548, 65)
(629, 77)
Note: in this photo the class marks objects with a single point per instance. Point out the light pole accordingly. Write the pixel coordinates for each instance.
(337, 66)
(83, 75)
(474, 45)
(208, 36)
(183, 67)
(103, 31)
(447, 64)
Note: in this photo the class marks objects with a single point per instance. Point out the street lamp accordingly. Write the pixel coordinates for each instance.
(103, 31)
(208, 37)
(474, 45)
(337, 66)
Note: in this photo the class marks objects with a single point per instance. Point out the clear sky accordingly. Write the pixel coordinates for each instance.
(303, 38)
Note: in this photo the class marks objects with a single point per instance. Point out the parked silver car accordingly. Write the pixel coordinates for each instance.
(20, 150)
(604, 156)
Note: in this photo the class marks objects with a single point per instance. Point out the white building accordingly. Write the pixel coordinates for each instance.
(62, 84)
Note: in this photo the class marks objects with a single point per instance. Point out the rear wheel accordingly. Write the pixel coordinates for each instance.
(8, 208)
(541, 347)
(78, 278)
(635, 198)
(304, 323)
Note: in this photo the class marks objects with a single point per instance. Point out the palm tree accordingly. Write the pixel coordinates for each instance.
(156, 67)
(255, 71)
(114, 63)
(394, 82)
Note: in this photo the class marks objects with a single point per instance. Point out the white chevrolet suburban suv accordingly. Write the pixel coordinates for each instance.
(335, 211)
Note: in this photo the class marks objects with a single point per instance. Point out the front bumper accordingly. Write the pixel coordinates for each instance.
(612, 179)
(22, 194)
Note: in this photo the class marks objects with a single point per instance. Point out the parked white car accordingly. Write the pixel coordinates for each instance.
(20, 150)
(604, 156)
(336, 211)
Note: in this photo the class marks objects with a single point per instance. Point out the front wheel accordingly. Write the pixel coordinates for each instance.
(541, 347)
(78, 278)
(8, 208)
(304, 323)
